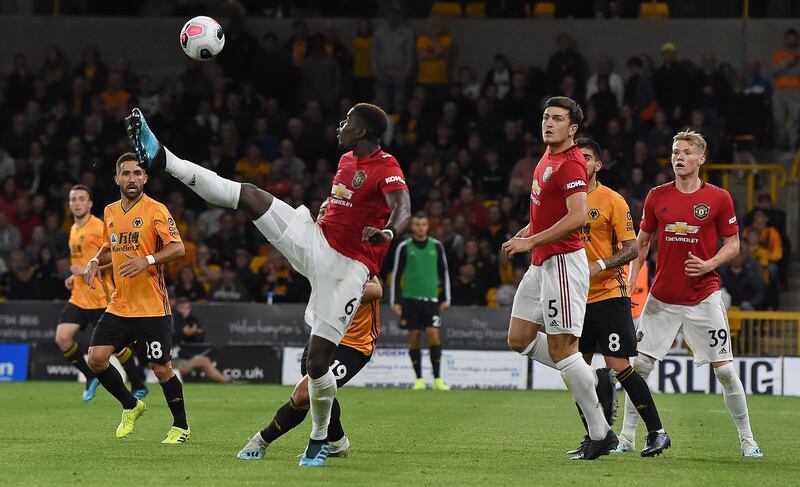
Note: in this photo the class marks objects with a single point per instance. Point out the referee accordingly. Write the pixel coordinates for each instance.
(420, 270)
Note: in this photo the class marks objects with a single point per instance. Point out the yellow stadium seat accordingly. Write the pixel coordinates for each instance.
(256, 262)
(654, 10)
(476, 9)
(446, 9)
(544, 9)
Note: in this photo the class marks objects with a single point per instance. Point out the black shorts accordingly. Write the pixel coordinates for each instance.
(418, 314)
(80, 316)
(347, 362)
(608, 328)
(152, 335)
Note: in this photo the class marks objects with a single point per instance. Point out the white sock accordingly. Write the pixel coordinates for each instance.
(735, 398)
(580, 379)
(538, 351)
(321, 393)
(643, 365)
(207, 184)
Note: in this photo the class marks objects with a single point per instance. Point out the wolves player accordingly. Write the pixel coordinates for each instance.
(369, 206)
(352, 354)
(86, 304)
(139, 238)
(610, 244)
(420, 268)
(554, 290)
(689, 215)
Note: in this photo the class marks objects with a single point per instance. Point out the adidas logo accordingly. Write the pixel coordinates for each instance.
(343, 319)
(554, 323)
(723, 350)
(193, 181)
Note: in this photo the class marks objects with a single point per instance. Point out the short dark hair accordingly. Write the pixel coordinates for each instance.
(372, 118)
(420, 214)
(790, 31)
(128, 156)
(182, 300)
(83, 187)
(635, 61)
(591, 144)
(575, 112)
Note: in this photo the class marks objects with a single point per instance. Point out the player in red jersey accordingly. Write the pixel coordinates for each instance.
(368, 207)
(689, 216)
(554, 290)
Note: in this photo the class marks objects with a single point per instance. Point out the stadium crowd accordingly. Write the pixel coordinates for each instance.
(468, 143)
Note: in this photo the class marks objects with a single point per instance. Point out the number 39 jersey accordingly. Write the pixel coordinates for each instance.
(687, 223)
(142, 230)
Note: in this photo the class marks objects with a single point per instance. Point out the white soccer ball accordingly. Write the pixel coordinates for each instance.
(202, 38)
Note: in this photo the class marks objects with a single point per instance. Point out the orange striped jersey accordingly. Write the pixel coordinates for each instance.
(608, 224)
(84, 242)
(365, 329)
(142, 230)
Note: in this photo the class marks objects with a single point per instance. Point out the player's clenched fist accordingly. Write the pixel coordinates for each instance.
(375, 235)
(517, 245)
(133, 266)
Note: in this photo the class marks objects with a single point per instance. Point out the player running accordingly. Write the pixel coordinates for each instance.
(689, 215)
(353, 353)
(369, 207)
(86, 304)
(420, 269)
(554, 290)
(139, 238)
(610, 244)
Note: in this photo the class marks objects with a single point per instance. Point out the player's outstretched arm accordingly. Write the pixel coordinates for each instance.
(92, 269)
(643, 248)
(696, 267)
(138, 263)
(400, 203)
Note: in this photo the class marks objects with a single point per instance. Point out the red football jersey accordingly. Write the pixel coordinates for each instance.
(556, 177)
(686, 223)
(357, 201)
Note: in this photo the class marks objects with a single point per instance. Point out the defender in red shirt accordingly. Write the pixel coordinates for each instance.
(554, 290)
(368, 207)
(689, 216)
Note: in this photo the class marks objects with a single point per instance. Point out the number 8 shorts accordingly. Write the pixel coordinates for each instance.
(554, 294)
(705, 329)
(337, 282)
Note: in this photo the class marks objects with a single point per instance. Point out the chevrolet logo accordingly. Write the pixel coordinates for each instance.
(341, 191)
(681, 228)
(536, 188)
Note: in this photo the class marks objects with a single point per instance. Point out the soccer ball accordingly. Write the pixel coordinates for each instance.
(202, 38)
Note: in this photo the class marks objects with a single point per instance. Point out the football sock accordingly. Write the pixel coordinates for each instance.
(75, 357)
(207, 184)
(287, 417)
(321, 392)
(112, 381)
(639, 393)
(580, 379)
(436, 359)
(416, 361)
(583, 418)
(129, 366)
(173, 393)
(537, 350)
(735, 398)
(335, 430)
(643, 365)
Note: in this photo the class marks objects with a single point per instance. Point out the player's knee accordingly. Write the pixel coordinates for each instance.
(163, 372)
(254, 201)
(300, 397)
(98, 361)
(63, 339)
(725, 375)
(316, 367)
(561, 347)
(517, 343)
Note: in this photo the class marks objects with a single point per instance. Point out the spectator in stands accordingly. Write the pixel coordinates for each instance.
(253, 166)
(189, 340)
(671, 81)
(10, 237)
(392, 61)
(472, 209)
(467, 289)
(55, 71)
(709, 90)
(363, 75)
(786, 97)
(20, 280)
(768, 249)
(640, 93)
(229, 287)
(659, 139)
(279, 283)
(188, 286)
(92, 70)
(321, 77)
(19, 84)
(116, 99)
(297, 46)
(435, 51)
(742, 279)
(567, 61)
(605, 68)
(499, 76)
(288, 163)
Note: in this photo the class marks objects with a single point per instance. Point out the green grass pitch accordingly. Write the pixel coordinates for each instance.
(399, 437)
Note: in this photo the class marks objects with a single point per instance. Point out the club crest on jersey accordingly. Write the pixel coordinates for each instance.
(701, 211)
(547, 173)
(138, 222)
(340, 191)
(594, 213)
(359, 178)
